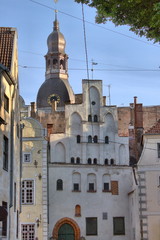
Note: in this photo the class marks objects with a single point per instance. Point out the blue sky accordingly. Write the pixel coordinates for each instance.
(130, 64)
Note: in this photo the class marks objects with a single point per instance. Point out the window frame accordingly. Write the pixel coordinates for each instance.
(6, 102)
(89, 232)
(118, 232)
(59, 186)
(4, 222)
(27, 153)
(158, 150)
(5, 153)
(25, 191)
(28, 231)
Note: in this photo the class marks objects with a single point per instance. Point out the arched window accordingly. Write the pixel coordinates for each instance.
(89, 118)
(77, 211)
(54, 61)
(59, 184)
(90, 139)
(78, 138)
(106, 161)
(95, 161)
(112, 161)
(89, 161)
(106, 139)
(95, 118)
(78, 160)
(72, 160)
(95, 139)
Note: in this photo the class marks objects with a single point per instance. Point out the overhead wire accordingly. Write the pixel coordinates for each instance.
(97, 25)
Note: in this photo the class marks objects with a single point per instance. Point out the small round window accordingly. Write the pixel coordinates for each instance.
(93, 102)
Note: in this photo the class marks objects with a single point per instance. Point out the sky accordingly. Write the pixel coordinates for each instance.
(130, 65)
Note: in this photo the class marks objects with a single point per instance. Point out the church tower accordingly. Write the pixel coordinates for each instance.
(55, 91)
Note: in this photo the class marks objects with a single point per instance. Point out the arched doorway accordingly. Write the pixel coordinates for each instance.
(66, 229)
(66, 232)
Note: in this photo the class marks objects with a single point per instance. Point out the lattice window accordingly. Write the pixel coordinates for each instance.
(28, 231)
(27, 192)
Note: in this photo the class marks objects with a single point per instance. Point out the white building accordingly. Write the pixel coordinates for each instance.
(89, 176)
(149, 184)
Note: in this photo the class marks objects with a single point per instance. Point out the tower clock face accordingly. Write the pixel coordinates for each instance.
(53, 97)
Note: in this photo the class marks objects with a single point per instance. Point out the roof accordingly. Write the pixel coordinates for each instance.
(6, 46)
(154, 129)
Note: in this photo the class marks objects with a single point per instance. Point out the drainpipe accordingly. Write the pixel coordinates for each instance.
(20, 177)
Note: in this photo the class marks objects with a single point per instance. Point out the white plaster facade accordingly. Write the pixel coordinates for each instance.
(149, 190)
(84, 162)
(34, 170)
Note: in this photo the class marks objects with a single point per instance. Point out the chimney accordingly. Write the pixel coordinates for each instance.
(33, 110)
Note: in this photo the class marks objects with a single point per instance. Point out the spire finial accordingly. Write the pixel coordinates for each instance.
(56, 27)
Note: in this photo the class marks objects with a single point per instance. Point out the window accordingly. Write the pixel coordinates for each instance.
(76, 180)
(4, 222)
(6, 103)
(91, 187)
(158, 149)
(17, 130)
(106, 161)
(59, 184)
(118, 226)
(91, 226)
(106, 139)
(112, 161)
(75, 187)
(78, 138)
(89, 118)
(72, 160)
(15, 196)
(89, 161)
(106, 186)
(78, 160)
(104, 216)
(95, 160)
(95, 118)
(91, 180)
(28, 231)
(90, 139)
(26, 157)
(27, 192)
(77, 211)
(106, 182)
(95, 139)
(5, 153)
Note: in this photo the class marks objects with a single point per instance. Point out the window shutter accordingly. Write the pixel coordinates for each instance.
(114, 188)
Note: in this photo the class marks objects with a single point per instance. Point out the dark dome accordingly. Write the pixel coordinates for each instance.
(49, 87)
(56, 41)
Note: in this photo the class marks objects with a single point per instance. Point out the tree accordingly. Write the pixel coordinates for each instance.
(143, 16)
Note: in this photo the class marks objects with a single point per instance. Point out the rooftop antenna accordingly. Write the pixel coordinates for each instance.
(93, 63)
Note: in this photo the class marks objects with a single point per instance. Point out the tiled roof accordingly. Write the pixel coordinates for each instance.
(6, 46)
(155, 129)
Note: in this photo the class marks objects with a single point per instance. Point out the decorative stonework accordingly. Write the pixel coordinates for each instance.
(68, 221)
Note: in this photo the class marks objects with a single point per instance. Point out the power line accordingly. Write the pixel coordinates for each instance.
(100, 26)
(100, 69)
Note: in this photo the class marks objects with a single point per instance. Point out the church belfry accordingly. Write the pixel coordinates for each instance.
(56, 87)
(56, 58)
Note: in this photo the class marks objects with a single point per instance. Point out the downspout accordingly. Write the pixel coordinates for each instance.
(20, 175)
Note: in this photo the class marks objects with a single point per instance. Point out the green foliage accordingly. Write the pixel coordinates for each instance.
(143, 16)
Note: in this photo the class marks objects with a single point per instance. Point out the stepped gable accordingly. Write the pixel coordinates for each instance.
(6, 46)
(155, 129)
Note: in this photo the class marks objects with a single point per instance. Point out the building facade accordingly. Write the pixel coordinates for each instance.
(34, 202)
(149, 183)
(9, 135)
